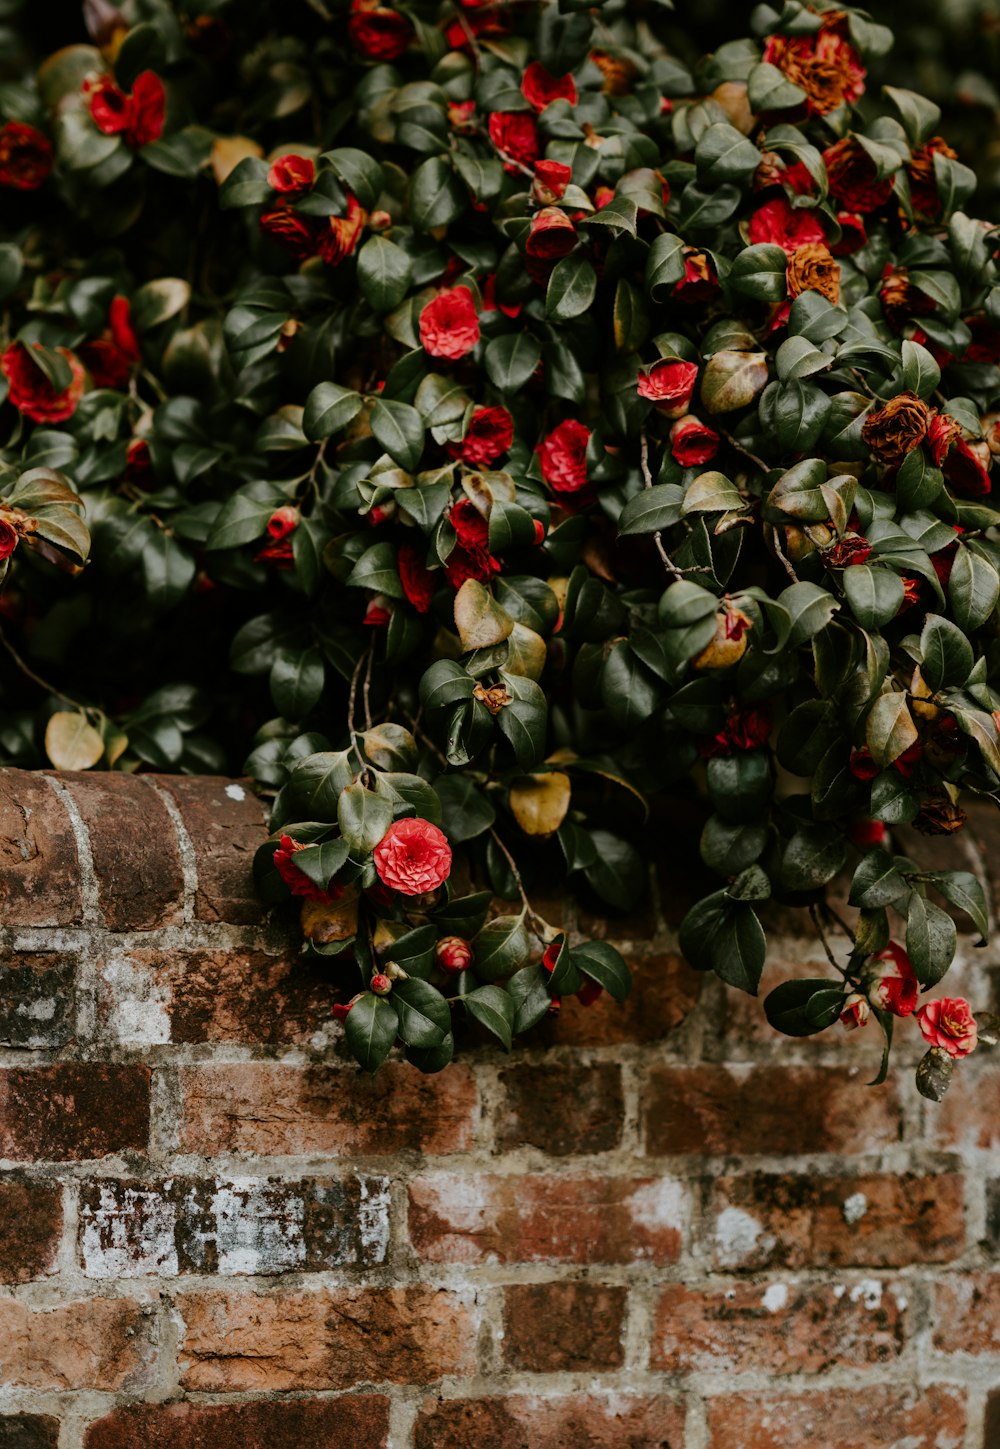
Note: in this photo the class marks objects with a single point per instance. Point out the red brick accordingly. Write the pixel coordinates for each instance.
(222, 995)
(90, 1343)
(882, 1417)
(31, 1214)
(778, 1110)
(271, 1109)
(36, 999)
(665, 990)
(779, 1328)
(772, 1220)
(225, 822)
(358, 1421)
(134, 847)
(535, 1219)
(239, 1342)
(967, 1313)
(529, 1421)
(969, 1116)
(39, 868)
(211, 1225)
(561, 1108)
(73, 1110)
(563, 1327)
(28, 1431)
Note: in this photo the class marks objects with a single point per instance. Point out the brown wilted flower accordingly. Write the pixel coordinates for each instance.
(812, 268)
(896, 428)
(494, 696)
(939, 817)
(618, 72)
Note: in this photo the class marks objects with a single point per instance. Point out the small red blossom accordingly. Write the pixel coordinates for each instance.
(138, 463)
(783, 225)
(377, 32)
(413, 857)
(540, 89)
(9, 537)
(471, 557)
(745, 730)
(110, 359)
(692, 442)
(289, 230)
(380, 984)
(853, 235)
(25, 156)
(552, 235)
(415, 577)
(894, 986)
(283, 521)
(855, 1011)
(453, 953)
(551, 181)
(295, 879)
(669, 385)
(488, 436)
(449, 324)
(563, 456)
(866, 834)
(30, 390)
(291, 174)
(853, 177)
(337, 237)
(950, 1025)
(378, 615)
(550, 957)
(699, 282)
(911, 595)
(137, 116)
(515, 136)
(850, 550)
(589, 992)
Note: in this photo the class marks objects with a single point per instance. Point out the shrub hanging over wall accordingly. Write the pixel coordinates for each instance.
(500, 420)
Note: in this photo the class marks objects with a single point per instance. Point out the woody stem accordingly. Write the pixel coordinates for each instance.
(534, 917)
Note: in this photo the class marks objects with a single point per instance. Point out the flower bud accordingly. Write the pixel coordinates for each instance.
(379, 221)
(539, 531)
(855, 1012)
(380, 984)
(452, 953)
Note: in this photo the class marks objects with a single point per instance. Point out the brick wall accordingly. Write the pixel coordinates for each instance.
(655, 1227)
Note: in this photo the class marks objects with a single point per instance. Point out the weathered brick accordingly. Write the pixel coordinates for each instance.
(72, 1111)
(357, 1421)
(31, 1214)
(777, 1110)
(237, 1342)
(147, 996)
(225, 822)
(921, 1416)
(28, 1431)
(244, 1225)
(134, 847)
(561, 1109)
(969, 1116)
(665, 990)
(779, 1328)
(271, 1109)
(530, 1421)
(768, 1220)
(36, 999)
(88, 1343)
(536, 1219)
(556, 1327)
(39, 869)
(967, 1313)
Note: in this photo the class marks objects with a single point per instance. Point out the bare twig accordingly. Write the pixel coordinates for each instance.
(647, 479)
(351, 699)
(751, 457)
(29, 673)
(814, 917)
(776, 540)
(367, 689)
(536, 920)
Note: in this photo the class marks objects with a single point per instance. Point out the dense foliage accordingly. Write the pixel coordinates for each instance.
(500, 420)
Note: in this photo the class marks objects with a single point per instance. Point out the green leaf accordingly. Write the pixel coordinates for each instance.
(920, 117)
(297, 678)
(934, 1073)
(652, 509)
(963, 890)
(620, 216)
(618, 875)
(724, 154)
(363, 817)
(376, 570)
(664, 265)
(804, 1007)
(384, 273)
(946, 654)
(501, 948)
(399, 429)
(528, 989)
(511, 360)
(921, 373)
(877, 882)
(931, 939)
(571, 290)
(371, 1029)
(423, 1014)
(523, 720)
(603, 964)
(358, 171)
(493, 1008)
(769, 89)
(322, 862)
(889, 728)
(437, 196)
(810, 609)
(874, 594)
(732, 380)
(759, 272)
(973, 589)
(329, 408)
(466, 810)
(629, 690)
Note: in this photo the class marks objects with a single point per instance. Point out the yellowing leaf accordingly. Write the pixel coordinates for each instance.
(228, 152)
(539, 802)
(479, 619)
(528, 652)
(324, 922)
(71, 743)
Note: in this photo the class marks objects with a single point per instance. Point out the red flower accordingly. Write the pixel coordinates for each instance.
(453, 953)
(825, 65)
(896, 989)
(138, 463)
(563, 456)
(699, 282)
(449, 324)
(911, 595)
(283, 521)
(693, 442)
(784, 225)
(861, 764)
(280, 526)
(852, 234)
(550, 956)
(798, 178)
(291, 174)
(515, 136)
(415, 577)
(488, 293)
(540, 89)
(378, 32)
(289, 230)
(338, 236)
(853, 176)
(295, 879)
(855, 1012)
(852, 549)
(669, 384)
(551, 181)
(25, 156)
(110, 359)
(923, 182)
(950, 1025)
(30, 390)
(471, 557)
(745, 730)
(552, 234)
(8, 538)
(137, 116)
(488, 436)
(412, 857)
(379, 612)
(866, 834)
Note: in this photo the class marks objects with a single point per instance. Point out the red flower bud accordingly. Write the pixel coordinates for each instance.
(381, 985)
(452, 953)
(292, 174)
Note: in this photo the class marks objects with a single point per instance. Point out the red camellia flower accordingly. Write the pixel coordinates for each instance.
(295, 879)
(449, 324)
(379, 612)
(138, 464)
(540, 89)
(137, 116)
(668, 384)
(785, 226)
(894, 986)
(745, 730)
(853, 176)
(25, 156)
(699, 281)
(283, 521)
(855, 1012)
(950, 1025)
(563, 456)
(415, 577)
(30, 390)
(693, 442)
(471, 557)
(412, 857)
(111, 358)
(289, 230)
(851, 550)
(8, 538)
(291, 174)
(552, 234)
(964, 464)
(866, 834)
(377, 32)
(453, 953)
(853, 235)
(488, 436)
(551, 181)
(515, 136)
(280, 526)
(338, 236)
(825, 65)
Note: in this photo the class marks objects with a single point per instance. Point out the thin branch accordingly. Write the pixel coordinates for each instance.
(367, 689)
(352, 697)
(647, 479)
(536, 920)
(29, 673)
(469, 35)
(814, 917)
(420, 734)
(751, 457)
(789, 570)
